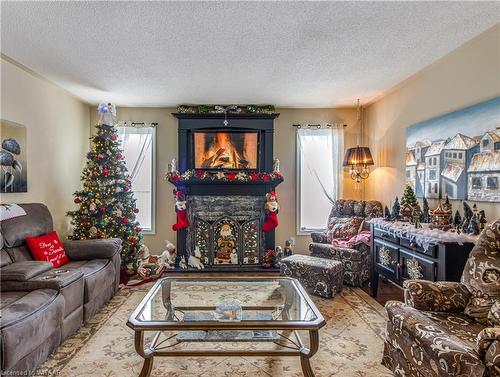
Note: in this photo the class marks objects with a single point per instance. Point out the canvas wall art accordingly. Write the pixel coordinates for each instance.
(457, 154)
(13, 159)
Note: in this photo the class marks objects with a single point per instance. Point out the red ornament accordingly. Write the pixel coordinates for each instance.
(138, 229)
(102, 208)
(114, 137)
(126, 188)
(119, 156)
(136, 210)
(98, 235)
(231, 176)
(105, 172)
(100, 155)
(175, 178)
(266, 177)
(77, 200)
(124, 220)
(277, 174)
(134, 239)
(201, 173)
(254, 176)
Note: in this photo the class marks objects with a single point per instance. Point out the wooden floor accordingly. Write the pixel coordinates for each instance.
(386, 292)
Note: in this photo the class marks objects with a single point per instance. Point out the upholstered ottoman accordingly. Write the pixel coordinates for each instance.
(319, 276)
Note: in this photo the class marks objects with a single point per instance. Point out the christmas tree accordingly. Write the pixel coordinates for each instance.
(106, 204)
(409, 197)
(425, 218)
(395, 209)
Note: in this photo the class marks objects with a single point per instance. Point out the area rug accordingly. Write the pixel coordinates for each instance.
(350, 345)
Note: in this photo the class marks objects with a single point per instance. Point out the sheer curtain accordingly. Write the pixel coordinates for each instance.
(137, 145)
(320, 174)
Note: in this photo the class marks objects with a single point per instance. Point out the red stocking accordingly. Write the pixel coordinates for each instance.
(271, 222)
(182, 220)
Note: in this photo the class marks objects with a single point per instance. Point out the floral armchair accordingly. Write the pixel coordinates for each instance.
(450, 328)
(355, 258)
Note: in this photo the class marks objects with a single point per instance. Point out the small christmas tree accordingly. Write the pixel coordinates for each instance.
(457, 220)
(409, 197)
(395, 209)
(425, 218)
(106, 204)
(387, 214)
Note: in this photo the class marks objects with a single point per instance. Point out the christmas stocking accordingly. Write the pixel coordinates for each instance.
(182, 220)
(271, 222)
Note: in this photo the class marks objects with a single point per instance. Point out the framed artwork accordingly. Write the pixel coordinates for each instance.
(13, 159)
(457, 154)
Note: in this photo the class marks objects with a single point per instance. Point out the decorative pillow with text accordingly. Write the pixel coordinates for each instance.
(48, 248)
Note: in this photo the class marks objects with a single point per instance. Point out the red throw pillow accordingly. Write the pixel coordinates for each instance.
(48, 248)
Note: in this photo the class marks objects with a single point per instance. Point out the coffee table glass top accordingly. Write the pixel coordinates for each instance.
(226, 301)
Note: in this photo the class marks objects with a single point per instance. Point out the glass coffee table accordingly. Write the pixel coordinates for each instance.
(188, 316)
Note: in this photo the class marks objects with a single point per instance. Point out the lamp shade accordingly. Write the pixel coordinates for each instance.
(358, 156)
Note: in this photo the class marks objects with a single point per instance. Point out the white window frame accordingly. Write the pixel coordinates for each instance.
(151, 231)
(307, 232)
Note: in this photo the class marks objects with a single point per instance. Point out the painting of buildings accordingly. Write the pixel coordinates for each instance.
(457, 154)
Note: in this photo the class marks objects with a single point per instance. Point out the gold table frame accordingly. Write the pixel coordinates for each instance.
(288, 327)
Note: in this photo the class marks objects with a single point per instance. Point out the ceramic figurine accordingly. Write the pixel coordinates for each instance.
(195, 259)
(287, 251)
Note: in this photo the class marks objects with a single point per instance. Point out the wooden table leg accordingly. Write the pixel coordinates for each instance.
(306, 354)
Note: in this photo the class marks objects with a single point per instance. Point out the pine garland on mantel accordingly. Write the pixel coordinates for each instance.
(203, 175)
(229, 109)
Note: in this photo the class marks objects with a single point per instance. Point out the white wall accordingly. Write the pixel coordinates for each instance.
(57, 139)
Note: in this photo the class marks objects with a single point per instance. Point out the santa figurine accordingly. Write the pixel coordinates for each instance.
(181, 210)
(272, 207)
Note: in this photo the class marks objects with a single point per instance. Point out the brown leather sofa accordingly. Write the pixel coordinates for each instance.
(42, 306)
(355, 260)
(450, 328)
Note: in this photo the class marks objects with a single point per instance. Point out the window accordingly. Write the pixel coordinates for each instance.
(460, 155)
(486, 142)
(454, 155)
(492, 183)
(408, 173)
(429, 188)
(319, 176)
(476, 183)
(138, 144)
(435, 188)
(432, 174)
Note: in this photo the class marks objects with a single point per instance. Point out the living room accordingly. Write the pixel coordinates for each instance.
(250, 188)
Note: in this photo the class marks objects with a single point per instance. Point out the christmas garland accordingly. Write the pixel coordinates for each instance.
(221, 176)
(221, 109)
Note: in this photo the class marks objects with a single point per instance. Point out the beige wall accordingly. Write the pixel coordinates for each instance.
(467, 76)
(284, 149)
(57, 139)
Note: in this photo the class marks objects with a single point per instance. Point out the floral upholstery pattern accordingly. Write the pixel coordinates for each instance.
(482, 273)
(444, 296)
(345, 229)
(319, 276)
(355, 261)
(448, 328)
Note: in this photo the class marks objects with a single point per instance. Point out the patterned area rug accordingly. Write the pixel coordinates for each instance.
(350, 345)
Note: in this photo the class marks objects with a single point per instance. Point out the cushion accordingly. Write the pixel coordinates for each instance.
(346, 229)
(482, 273)
(48, 248)
(23, 271)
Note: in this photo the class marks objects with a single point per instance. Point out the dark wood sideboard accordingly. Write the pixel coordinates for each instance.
(397, 259)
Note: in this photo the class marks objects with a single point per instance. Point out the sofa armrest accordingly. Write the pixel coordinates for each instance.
(443, 296)
(92, 249)
(492, 356)
(24, 271)
(319, 237)
(486, 338)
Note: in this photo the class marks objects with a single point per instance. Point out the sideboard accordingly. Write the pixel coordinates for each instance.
(397, 259)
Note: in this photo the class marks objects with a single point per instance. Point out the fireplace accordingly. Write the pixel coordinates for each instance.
(225, 150)
(225, 216)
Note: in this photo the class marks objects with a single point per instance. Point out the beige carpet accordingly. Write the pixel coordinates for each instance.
(350, 345)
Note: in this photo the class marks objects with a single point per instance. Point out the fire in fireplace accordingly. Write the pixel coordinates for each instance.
(225, 150)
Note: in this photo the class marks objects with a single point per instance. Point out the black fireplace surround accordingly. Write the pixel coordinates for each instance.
(234, 209)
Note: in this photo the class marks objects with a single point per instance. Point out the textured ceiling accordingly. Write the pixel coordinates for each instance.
(296, 54)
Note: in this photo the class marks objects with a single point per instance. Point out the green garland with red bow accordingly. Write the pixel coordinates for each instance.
(178, 178)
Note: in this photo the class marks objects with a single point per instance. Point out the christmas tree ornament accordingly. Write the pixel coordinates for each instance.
(272, 208)
(100, 208)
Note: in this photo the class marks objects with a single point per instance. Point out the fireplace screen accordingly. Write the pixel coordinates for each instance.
(225, 150)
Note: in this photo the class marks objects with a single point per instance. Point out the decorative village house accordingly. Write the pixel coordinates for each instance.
(458, 153)
(484, 176)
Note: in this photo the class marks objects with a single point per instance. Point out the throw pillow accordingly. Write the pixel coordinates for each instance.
(48, 247)
(348, 229)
